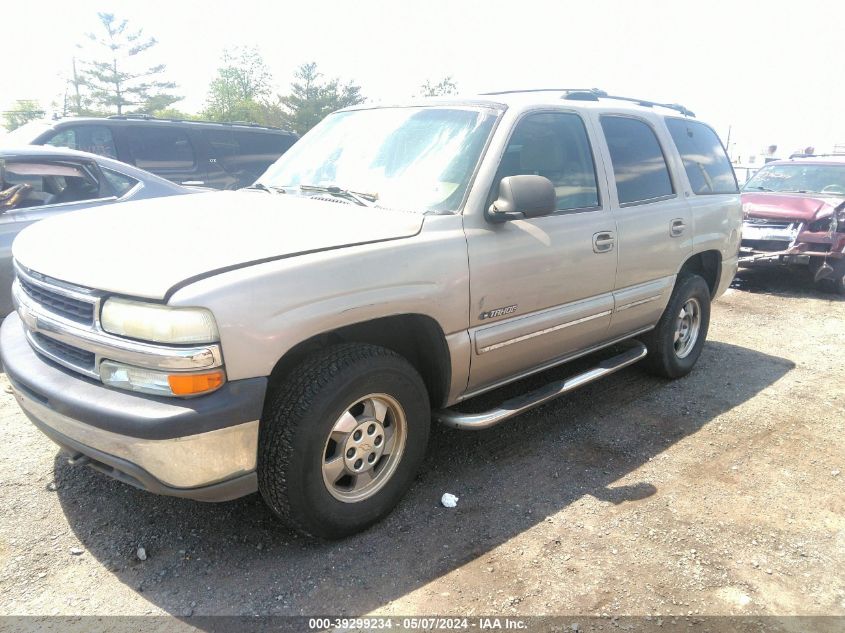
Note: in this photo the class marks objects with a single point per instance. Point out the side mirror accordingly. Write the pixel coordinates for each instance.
(523, 197)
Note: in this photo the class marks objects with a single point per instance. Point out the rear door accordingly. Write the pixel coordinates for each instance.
(222, 150)
(167, 151)
(652, 216)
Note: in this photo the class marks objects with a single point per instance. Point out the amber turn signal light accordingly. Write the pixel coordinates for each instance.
(190, 384)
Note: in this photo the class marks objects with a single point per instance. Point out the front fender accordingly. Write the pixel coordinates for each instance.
(263, 311)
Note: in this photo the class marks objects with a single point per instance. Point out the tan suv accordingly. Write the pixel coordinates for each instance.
(295, 338)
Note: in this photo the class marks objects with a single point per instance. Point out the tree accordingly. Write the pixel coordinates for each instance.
(113, 77)
(311, 99)
(25, 110)
(445, 87)
(240, 87)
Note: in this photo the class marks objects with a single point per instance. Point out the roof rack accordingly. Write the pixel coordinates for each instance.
(828, 155)
(594, 94)
(513, 92)
(148, 117)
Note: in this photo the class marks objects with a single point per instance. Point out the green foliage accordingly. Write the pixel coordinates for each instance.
(25, 110)
(445, 87)
(110, 84)
(241, 85)
(175, 114)
(241, 92)
(311, 99)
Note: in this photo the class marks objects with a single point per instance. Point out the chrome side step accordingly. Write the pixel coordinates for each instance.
(510, 408)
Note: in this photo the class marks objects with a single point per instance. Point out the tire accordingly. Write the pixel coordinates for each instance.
(327, 407)
(666, 356)
(836, 281)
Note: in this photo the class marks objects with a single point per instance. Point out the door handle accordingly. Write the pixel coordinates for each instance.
(678, 228)
(603, 242)
(193, 182)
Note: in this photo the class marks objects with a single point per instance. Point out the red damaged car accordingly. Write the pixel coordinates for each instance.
(795, 214)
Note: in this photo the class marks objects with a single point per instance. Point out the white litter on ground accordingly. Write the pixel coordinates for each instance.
(448, 500)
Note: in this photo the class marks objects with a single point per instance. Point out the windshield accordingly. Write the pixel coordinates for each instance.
(419, 159)
(799, 178)
(25, 134)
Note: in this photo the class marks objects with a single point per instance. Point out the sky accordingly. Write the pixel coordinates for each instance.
(770, 72)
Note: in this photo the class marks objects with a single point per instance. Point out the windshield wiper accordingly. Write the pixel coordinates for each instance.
(260, 186)
(761, 188)
(359, 197)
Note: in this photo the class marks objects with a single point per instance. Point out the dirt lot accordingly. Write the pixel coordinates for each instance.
(721, 493)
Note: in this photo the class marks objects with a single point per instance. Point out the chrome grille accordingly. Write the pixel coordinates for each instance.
(770, 223)
(61, 322)
(63, 352)
(63, 305)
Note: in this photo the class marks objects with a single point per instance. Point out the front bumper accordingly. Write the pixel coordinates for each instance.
(204, 448)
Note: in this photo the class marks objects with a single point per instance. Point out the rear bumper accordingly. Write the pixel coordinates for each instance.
(726, 277)
(204, 448)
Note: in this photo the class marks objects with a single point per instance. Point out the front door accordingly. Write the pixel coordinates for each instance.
(541, 288)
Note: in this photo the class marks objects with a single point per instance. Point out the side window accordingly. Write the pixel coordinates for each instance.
(119, 183)
(223, 146)
(96, 139)
(705, 160)
(36, 184)
(638, 162)
(157, 148)
(554, 145)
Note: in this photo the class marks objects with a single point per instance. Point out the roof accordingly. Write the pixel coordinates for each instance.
(146, 120)
(815, 159)
(586, 98)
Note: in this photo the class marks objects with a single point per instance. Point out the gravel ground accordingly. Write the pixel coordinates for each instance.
(720, 493)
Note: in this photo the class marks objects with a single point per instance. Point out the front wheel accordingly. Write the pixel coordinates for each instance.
(675, 343)
(835, 281)
(341, 440)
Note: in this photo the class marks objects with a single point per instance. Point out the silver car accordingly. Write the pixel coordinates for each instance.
(40, 182)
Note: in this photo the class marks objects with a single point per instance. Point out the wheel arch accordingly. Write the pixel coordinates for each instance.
(707, 264)
(416, 337)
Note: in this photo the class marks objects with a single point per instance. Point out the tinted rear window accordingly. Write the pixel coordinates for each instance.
(160, 149)
(638, 162)
(705, 161)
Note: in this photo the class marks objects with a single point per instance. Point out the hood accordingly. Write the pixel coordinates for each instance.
(145, 248)
(788, 206)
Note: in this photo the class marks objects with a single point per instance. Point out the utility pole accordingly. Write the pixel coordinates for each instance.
(728, 144)
(78, 100)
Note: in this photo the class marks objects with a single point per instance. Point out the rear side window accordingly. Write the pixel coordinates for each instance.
(705, 161)
(638, 162)
(96, 139)
(160, 148)
(120, 183)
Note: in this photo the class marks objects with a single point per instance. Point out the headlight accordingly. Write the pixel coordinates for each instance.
(159, 383)
(158, 323)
